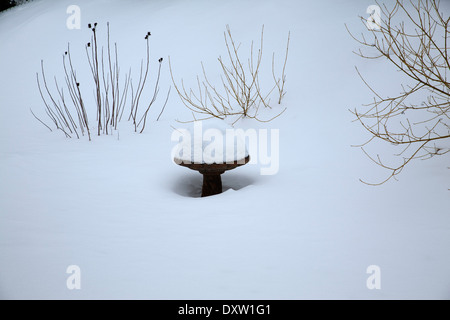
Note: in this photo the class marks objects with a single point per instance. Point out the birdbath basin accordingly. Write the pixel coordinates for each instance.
(212, 181)
(211, 152)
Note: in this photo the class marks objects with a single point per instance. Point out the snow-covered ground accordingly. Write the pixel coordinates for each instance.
(132, 220)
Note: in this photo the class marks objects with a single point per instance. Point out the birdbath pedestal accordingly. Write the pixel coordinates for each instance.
(212, 181)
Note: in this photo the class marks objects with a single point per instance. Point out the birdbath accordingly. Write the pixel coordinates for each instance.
(212, 181)
(211, 147)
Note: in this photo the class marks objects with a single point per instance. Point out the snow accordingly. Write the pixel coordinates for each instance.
(132, 220)
(209, 141)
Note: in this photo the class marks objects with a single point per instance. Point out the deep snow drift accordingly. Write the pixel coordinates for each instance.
(132, 220)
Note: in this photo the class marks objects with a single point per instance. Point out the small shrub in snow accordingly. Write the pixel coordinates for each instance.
(71, 115)
(241, 94)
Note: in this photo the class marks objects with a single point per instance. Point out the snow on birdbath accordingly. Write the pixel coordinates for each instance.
(210, 147)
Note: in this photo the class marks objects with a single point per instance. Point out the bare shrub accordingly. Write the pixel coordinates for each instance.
(240, 92)
(413, 37)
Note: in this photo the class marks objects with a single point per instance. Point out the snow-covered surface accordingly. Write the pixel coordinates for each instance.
(132, 220)
(209, 141)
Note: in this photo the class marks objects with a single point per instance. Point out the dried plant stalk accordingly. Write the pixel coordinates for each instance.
(110, 98)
